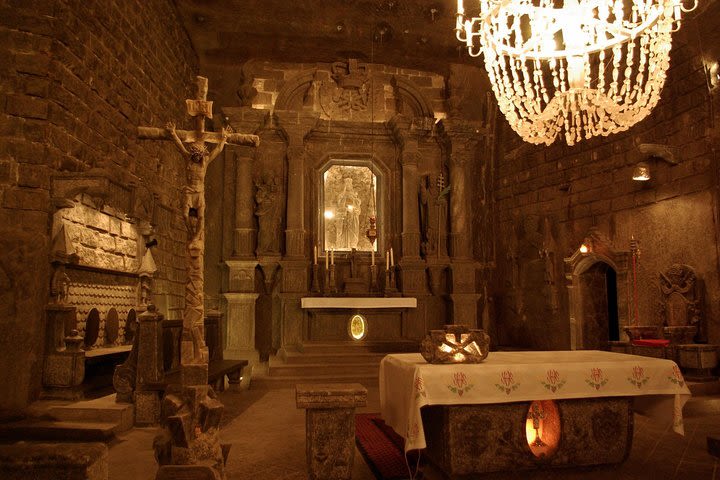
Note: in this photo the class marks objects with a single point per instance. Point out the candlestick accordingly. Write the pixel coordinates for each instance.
(315, 255)
(372, 255)
(392, 258)
(332, 256)
(326, 259)
(387, 260)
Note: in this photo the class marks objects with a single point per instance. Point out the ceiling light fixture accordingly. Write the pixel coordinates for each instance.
(581, 68)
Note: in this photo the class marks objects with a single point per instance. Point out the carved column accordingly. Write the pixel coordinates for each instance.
(244, 233)
(463, 138)
(294, 277)
(296, 126)
(244, 119)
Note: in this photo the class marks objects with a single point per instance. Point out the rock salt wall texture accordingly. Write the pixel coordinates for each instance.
(79, 78)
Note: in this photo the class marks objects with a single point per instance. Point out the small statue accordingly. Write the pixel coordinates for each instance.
(348, 216)
(267, 197)
(60, 286)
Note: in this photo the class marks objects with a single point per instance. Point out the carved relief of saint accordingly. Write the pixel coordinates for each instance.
(348, 216)
(267, 198)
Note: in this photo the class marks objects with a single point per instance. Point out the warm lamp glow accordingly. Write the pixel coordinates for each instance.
(583, 69)
(329, 214)
(584, 248)
(357, 327)
(542, 428)
(641, 172)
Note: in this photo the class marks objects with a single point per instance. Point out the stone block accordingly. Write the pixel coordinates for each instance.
(330, 395)
(147, 408)
(66, 461)
(187, 472)
(26, 106)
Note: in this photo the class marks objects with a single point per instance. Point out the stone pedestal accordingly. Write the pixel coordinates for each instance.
(64, 365)
(240, 339)
(698, 361)
(45, 461)
(464, 308)
(330, 427)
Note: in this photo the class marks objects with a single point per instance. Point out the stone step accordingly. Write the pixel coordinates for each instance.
(701, 389)
(35, 429)
(399, 346)
(306, 369)
(334, 358)
(99, 410)
(265, 382)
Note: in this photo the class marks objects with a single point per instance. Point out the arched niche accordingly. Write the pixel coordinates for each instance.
(356, 166)
(92, 328)
(595, 254)
(130, 326)
(112, 327)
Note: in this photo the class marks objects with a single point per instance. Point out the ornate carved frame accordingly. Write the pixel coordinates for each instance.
(600, 249)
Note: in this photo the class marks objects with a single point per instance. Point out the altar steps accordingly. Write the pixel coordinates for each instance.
(329, 362)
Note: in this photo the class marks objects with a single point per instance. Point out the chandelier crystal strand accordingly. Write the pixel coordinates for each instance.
(578, 68)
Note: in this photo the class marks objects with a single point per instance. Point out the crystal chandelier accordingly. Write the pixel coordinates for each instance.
(581, 68)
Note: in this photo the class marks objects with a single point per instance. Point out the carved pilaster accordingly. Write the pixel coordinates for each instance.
(244, 119)
(407, 133)
(463, 138)
(295, 126)
(241, 275)
(464, 309)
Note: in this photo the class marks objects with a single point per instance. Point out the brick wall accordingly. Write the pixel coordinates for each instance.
(571, 189)
(81, 77)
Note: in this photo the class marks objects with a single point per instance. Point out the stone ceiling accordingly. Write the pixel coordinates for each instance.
(414, 34)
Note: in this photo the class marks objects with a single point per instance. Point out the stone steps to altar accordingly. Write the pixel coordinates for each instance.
(278, 368)
(80, 421)
(350, 347)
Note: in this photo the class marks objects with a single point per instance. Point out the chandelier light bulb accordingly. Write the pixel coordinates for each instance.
(573, 68)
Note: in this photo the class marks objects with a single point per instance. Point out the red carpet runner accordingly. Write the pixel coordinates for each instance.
(382, 448)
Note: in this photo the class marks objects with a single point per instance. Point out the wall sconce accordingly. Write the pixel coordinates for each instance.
(455, 344)
(641, 173)
(713, 71)
(667, 153)
(584, 249)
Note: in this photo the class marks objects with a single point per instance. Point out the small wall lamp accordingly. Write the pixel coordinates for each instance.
(641, 172)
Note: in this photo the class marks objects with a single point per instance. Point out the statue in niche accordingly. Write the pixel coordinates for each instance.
(267, 198)
(348, 216)
(433, 215)
(60, 285)
(198, 157)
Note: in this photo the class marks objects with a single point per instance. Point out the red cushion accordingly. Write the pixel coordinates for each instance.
(651, 342)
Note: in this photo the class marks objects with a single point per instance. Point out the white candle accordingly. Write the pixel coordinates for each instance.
(326, 259)
(387, 260)
(315, 255)
(392, 258)
(372, 256)
(332, 256)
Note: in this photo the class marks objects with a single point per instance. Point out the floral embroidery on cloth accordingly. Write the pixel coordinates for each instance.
(554, 382)
(507, 382)
(413, 431)
(459, 384)
(596, 379)
(638, 377)
(419, 385)
(676, 376)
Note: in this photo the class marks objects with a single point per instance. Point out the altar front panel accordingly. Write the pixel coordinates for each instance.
(332, 325)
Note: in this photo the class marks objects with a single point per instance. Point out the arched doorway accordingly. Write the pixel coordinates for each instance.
(598, 297)
(597, 275)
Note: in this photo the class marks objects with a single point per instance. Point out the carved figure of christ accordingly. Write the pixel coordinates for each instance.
(192, 144)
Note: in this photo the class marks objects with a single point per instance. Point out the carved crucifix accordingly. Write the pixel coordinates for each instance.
(193, 146)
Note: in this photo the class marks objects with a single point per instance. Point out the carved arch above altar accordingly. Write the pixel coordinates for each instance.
(351, 90)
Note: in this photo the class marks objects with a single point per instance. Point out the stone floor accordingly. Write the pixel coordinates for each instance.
(268, 437)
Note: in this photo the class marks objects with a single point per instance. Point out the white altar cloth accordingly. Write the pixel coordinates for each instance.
(408, 382)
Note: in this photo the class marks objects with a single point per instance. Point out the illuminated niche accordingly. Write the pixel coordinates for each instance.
(348, 200)
(357, 327)
(542, 428)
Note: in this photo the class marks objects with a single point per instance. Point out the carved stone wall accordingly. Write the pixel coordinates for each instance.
(77, 82)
